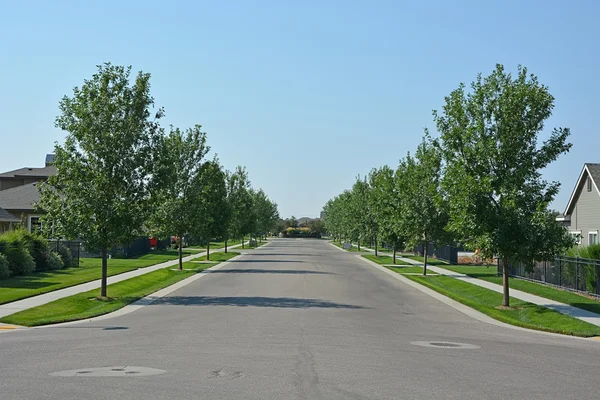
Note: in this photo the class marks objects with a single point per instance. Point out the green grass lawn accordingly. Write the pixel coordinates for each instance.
(538, 289)
(87, 305)
(384, 259)
(409, 270)
(218, 257)
(21, 287)
(525, 314)
(430, 261)
(217, 245)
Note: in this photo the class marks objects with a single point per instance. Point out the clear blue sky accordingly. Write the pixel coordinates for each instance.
(305, 94)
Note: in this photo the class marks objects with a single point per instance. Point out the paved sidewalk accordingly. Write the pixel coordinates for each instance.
(566, 309)
(30, 302)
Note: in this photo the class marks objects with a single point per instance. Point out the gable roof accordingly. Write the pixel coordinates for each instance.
(589, 169)
(20, 198)
(43, 172)
(5, 216)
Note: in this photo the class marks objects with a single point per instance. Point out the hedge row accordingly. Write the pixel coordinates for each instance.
(23, 252)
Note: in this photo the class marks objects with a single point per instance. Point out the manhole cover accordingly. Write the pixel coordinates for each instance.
(110, 372)
(446, 345)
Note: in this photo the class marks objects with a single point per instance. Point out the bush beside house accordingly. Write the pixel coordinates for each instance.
(23, 252)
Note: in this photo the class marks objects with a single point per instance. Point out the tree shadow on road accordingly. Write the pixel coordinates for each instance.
(276, 302)
(269, 271)
(265, 261)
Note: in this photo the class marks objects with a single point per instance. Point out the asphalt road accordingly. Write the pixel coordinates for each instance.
(297, 319)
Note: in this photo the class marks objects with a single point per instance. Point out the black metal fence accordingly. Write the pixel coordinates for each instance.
(444, 253)
(580, 274)
(73, 246)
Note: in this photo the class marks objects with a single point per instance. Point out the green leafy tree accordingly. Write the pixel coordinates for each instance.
(387, 210)
(104, 169)
(178, 195)
(498, 199)
(240, 202)
(423, 207)
(265, 212)
(362, 224)
(292, 222)
(317, 227)
(213, 209)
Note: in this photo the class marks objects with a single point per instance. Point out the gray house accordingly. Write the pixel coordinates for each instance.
(582, 215)
(19, 193)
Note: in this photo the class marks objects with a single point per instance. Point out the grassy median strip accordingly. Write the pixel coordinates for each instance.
(524, 314)
(384, 260)
(409, 270)
(88, 305)
(21, 287)
(538, 289)
(430, 261)
(218, 257)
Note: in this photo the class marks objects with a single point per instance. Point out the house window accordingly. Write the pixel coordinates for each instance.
(35, 224)
(577, 236)
(593, 237)
(589, 184)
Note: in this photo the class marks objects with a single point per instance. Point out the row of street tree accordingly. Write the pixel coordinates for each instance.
(120, 176)
(479, 184)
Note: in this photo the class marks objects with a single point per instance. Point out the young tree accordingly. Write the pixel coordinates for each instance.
(266, 213)
(363, 218)
(498, 199)
(213, 213)
(239, 199)
(178, 196)
(388, 210)
(424, 210)
(104, 169)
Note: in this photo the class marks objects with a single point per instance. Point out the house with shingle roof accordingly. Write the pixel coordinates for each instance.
(19, 193)
(7, 220)
(582, 215)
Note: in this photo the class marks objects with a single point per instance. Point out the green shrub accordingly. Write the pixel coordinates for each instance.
(591, 252)
(36, 245)
(54, 261)
(67, 257)
(4, 270)
(20, 262)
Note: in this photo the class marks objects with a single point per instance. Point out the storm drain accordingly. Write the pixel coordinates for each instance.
(110, 372)
(447, 345)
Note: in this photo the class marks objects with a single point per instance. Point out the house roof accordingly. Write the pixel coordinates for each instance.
(5, 216)
(20, 198)
(43, 172)
(589, 169)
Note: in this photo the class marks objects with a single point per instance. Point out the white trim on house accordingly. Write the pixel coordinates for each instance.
(585, 169)
(590, 234)
(29, 220)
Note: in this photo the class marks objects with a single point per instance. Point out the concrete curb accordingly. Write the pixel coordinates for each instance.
(335, 247)
(145, 301)
(45, 298)
(463, 308)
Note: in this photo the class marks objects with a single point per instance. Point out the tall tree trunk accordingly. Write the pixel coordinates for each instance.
(225, 246)
(242, 242)
(180, 252)
(394, 255)
(506, 297)
(208, 251)
(358, 245)
(104, 272)
(376, 246)
(425, 249)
